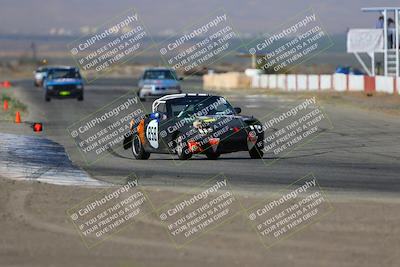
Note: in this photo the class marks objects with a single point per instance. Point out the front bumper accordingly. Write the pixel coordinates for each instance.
(231, 141)
(223, 144)
(64, 92)
(149, 92)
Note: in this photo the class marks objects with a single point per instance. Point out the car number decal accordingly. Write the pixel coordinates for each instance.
(152, 133)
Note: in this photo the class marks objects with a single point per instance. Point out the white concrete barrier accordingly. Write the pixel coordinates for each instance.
(255, 81)
(272, 81)
(356, 83)
(253, 72)
(291, 82)
(281, 84)
(302, 82)
(340, 82)
(384, 84)
(313, 82)
(264, 81)
(325, 82)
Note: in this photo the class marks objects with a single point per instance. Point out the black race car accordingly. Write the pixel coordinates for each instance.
(187, 124)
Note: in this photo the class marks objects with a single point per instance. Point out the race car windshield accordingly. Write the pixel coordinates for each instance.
(64, 74)
(200, 107)
(41, 70)
(159, 75)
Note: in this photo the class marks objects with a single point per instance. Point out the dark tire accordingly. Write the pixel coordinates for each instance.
(127, 143)
(143, 99)
(138, 149)
(213, 156)
(182, 149)
(256, 153)
(80, 97)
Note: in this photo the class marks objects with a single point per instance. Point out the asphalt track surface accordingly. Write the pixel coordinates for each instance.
(360, 154)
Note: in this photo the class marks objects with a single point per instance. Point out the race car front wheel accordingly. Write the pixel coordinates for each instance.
(256, 153)
(80, 97)
(212, 155)
(182, 148)
(255, 143)
(138, 149)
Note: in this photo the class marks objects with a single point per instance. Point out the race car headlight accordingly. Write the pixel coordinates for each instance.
(148, 87)
(205, 130)
(79, 86)
(197, 124)
(177, 87)
(50, 87)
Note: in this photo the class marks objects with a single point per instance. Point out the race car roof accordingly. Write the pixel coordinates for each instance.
(159, 68)
(170, 97)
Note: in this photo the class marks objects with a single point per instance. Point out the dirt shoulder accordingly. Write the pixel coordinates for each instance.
(388, 104)
(37, 232)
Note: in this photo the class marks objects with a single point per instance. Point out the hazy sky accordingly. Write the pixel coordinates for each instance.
(254, 16)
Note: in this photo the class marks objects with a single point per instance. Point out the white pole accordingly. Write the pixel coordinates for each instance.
(397, 40)
(385, 41)
(373, 64)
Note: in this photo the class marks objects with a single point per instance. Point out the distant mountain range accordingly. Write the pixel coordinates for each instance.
(13, 42)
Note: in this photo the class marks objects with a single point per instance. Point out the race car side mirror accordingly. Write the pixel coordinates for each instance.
(158, 115)
(162, 116)
(238, 110)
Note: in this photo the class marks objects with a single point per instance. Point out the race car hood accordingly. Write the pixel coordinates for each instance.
(235, 117)
(219, 121)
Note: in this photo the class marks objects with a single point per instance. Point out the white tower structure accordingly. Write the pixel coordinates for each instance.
(384, 39)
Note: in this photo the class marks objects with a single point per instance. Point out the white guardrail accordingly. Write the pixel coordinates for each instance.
(336, 82)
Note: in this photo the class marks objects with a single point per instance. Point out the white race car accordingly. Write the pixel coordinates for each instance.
(39, 76)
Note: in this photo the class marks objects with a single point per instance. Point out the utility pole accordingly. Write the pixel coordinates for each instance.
(34, 54)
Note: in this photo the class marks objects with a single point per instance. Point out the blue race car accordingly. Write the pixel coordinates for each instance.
(348, 70)
(63, 82)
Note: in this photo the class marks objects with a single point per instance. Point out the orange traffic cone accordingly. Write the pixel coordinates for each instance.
(5, 105)
(17, 117)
